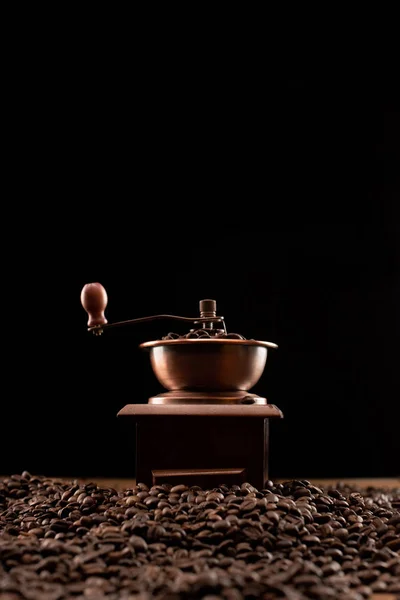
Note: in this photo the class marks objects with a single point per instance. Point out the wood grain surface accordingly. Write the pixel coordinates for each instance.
(387, 483)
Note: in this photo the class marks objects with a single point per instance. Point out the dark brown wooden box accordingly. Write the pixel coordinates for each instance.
(205, 445)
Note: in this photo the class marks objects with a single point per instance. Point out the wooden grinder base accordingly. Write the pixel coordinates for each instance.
(204, 445)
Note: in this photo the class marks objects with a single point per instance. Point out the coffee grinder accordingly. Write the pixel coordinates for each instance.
(206, 428)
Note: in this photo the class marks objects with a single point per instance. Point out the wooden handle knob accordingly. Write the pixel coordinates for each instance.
(94, 300)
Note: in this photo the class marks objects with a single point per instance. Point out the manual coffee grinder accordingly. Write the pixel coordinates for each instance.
(209, 429)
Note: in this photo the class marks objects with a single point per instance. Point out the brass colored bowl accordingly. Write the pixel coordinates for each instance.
(208, 364)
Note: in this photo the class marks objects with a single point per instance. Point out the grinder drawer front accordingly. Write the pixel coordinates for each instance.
(205, 478)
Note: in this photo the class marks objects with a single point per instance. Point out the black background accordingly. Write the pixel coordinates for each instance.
(275, 194)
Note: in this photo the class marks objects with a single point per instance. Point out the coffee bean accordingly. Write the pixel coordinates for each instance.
(248, 505)
(59, 525)
(326, 530)
(273, 516)
(301, 492)
(331, 568)
(178, 489)
(318, 518)
(306, 580)
(284, 544)
(335, 553)
(247, 488)
(271, 498)
(215, 496)
(306, 513)
(394, 544)
(138, 543)
(37, 531)
(322, 591)
(341, 533)
(310, 539)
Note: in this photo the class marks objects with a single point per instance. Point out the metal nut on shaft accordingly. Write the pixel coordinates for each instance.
(208, 308)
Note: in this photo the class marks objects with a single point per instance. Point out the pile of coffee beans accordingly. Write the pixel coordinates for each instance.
(290, 540)
(204, 333)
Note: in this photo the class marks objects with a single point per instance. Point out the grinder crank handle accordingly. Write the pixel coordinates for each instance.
(94, 300)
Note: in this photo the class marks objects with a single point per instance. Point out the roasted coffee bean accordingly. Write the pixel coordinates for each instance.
(215, 497)
(341, 533)
(303, 491)
(37, 531)
(138, 543)
(310, 539)
(178, 489)
(248, 505)
(325, 530)
(394, 544)
(272, 516)
(318, 518)
(271, 498)
(331, 568)
(305, 580)
(335, 553)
